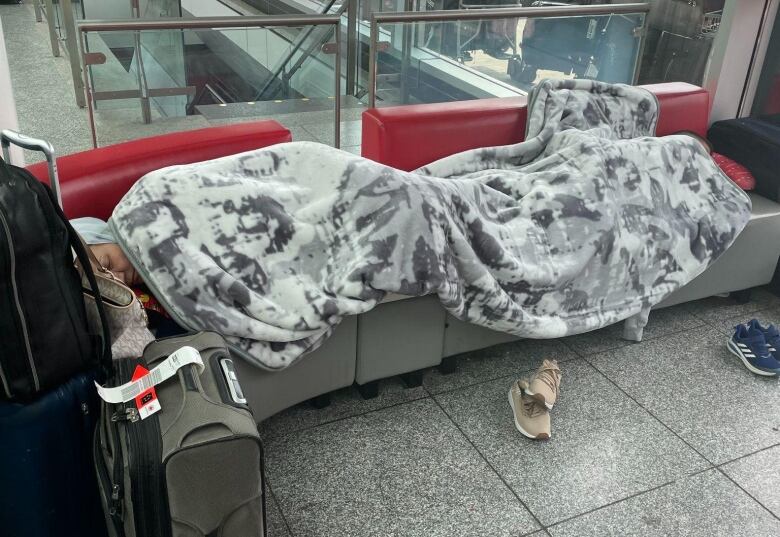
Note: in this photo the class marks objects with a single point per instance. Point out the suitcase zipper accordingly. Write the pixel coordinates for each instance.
(144, 443)
(114, 490)
(22, 320)
(111, 490)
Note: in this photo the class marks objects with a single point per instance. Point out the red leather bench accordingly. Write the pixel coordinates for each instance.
(407, 137)
(94, 181)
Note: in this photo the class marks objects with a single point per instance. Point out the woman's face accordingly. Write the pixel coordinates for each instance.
(112, 257)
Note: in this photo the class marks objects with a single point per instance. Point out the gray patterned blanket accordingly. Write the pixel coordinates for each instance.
(590, 221)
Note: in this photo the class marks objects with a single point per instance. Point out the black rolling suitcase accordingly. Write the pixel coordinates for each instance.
(754, 143)
(48, 364)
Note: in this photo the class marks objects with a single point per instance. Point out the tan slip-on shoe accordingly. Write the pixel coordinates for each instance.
(545, 384)
(531, 418)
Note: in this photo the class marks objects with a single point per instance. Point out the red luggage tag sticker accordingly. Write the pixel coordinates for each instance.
(146, 402)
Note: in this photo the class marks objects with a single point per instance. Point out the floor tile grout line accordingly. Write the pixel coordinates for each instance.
(628, 343)
(279, 506)
(747, 455)
(614, 502)
(310, 427)
(697, 472)
(659, 420)
(490, 465)
(740, 487)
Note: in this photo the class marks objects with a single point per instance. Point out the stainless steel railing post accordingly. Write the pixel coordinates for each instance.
(72, 48)
(82, 37)
(51, 17)
(352, 47)
(406, 53)
(640, 53)
(337, 89)
(143, 86)
(372, 61)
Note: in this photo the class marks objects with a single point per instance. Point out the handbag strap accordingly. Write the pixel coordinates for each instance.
(105, 359)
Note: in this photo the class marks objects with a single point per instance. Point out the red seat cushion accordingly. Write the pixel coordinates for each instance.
(684, 107)
(94, 181)
(407, 137)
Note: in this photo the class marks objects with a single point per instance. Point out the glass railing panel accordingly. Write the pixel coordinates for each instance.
(148, 82)
(448, 60)
(116, 75)
(157, 9)
(107, 9)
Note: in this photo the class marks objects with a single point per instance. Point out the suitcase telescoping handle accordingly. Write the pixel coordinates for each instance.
(8, 137)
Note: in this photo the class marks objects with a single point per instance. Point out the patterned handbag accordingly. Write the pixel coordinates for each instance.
(127, 320)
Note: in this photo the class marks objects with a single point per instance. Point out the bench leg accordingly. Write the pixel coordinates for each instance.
(413, 379)
(369, 390)
(321, 401)
(742, 297)
(448, 365)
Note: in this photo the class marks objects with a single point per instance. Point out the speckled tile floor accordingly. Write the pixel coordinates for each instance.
(670, 436)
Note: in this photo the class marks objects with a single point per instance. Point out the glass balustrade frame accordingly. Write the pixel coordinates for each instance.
(137, 26)
(412, 17)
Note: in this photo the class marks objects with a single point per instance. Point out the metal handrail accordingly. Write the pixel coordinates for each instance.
(482, 14)
(509, 12)
(201, 23)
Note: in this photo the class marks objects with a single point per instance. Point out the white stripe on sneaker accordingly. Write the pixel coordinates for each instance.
(735, 349)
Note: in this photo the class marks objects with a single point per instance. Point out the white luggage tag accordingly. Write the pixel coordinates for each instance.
(165, 370)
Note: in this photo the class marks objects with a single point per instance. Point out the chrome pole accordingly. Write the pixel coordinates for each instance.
(642, 39)
(337, 61)
(50, 18)
(87, 86)
(72, 49)
(352, 47)
(372, 62)
(143, 86)
(406, 55)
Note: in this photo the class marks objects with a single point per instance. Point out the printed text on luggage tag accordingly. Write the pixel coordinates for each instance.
(146, 402)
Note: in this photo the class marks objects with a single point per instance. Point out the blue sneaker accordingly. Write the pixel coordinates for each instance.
(771, 335)
(750, 345)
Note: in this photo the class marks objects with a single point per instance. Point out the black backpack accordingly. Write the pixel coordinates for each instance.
(44, 334)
